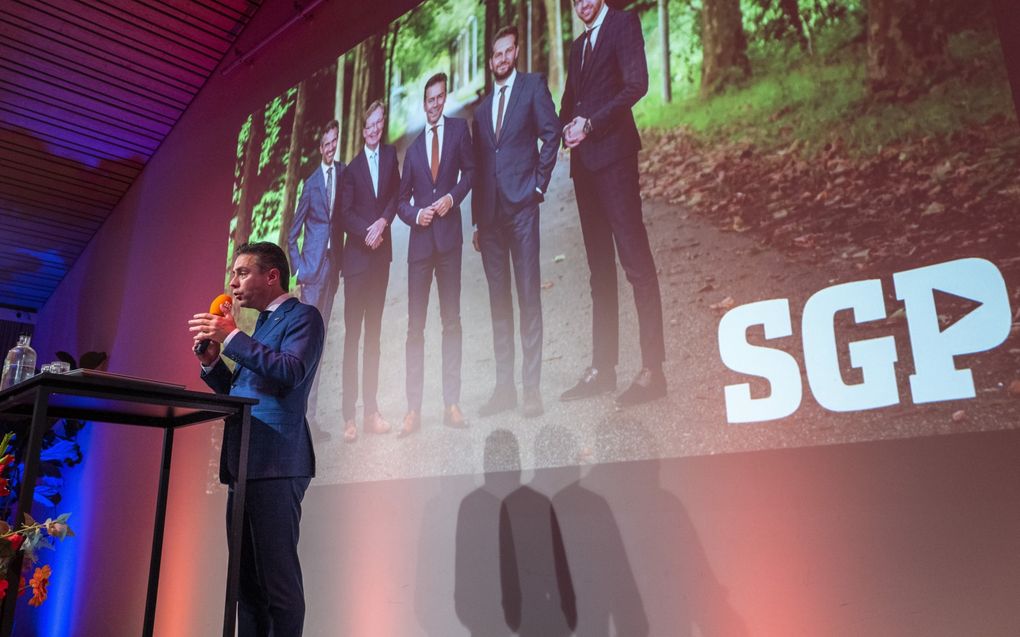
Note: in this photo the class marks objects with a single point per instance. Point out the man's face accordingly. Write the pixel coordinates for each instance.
(504, 57)
(374, 128)
(251, 286)
(588, 10)
(327, 146)
(435, 100)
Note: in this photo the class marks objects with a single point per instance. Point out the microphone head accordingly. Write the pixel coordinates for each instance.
(223, 299)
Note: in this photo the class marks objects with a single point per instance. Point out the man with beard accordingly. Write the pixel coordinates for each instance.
(511, 177)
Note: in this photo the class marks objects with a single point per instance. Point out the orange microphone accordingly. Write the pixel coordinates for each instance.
(216, 310)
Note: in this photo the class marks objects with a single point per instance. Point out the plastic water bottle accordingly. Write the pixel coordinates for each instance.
(19, 364)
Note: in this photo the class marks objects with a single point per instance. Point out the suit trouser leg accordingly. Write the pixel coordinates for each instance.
(525, 250)
(448, 267)
(601, 253)
(375, 302)
(271, 600)
(321, 295)
(355, 289)
(494, 242)
(628, 226)
(419, 286)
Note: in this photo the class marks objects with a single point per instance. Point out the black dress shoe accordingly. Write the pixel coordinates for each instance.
(648, 385)
(503, 399)
(593, 382)
(532, 406)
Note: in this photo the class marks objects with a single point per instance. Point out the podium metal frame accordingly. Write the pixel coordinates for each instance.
(120, 400)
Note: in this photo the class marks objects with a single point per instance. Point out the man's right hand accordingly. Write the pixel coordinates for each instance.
(210, 355)
(425, 216)
(475, 243)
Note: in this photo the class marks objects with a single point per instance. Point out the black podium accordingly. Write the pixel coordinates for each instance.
(107, 398)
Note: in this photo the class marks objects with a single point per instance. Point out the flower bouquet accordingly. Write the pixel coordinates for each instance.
(27, 538)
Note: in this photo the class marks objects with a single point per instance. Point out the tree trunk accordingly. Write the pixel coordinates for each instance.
(667, 84)
(906, 44)
(242, 225)
(338, 103)
(554, 20)
(792, 13)
(291, 178)
(724, 46)
(491, 26)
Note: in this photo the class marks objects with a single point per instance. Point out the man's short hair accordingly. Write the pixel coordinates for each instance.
(374, 106)
(435, 79)
(268, 256)
(509, 29)
(331, 125)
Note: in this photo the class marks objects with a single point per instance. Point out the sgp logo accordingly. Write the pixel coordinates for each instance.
(935, 377)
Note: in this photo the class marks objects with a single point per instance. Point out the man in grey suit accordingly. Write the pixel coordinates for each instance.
(511, 177)
(317, 262)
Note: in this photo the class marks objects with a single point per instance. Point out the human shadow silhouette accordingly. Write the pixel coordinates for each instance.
(607, 597)
(670, 549)
(478, 591)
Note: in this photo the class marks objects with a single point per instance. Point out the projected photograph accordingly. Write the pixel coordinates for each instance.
(731, 226)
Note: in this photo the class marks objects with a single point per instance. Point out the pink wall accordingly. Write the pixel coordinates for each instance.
(912, 537)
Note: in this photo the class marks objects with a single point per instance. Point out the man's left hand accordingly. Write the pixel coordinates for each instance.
(374, 237)
(212, 327)
(574, 133)
(443, 205)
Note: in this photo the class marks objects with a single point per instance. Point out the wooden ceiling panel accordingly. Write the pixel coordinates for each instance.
(89, 89)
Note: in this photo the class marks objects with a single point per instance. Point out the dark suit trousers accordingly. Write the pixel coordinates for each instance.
(364, 298)
(609, 206)
(272, 596)
(321, 295)
(514, 237)
(446, 269)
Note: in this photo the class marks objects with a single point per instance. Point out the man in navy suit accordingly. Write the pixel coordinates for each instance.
(606, 76)
(277, 365)
(435, 179)
(317, 262)
(511, 178)
(368, 205)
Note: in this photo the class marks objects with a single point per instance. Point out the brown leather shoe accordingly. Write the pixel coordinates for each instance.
(412, 423)
(350, 431)
(374, 424)
(453, 417)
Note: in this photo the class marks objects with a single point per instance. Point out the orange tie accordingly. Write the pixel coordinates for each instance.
(435, 152)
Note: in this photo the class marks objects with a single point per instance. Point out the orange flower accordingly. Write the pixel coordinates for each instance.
(40, 580)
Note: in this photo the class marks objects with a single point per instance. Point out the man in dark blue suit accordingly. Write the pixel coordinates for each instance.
(370, 186)
(435, 179)
(606, 76)
(277, 365)
(317, 262)
(511, 177)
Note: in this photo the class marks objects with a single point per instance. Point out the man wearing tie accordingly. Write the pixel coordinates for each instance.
(276, 365)
(511, 178)
(368, 205)
(435, 179)
(606, 76)
(317, 262)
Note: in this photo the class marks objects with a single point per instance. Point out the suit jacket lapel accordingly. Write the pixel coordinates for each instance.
(422, 140)
(604, 28)
(384, 166)
(259, 336)
(515, 97)
(365, 170)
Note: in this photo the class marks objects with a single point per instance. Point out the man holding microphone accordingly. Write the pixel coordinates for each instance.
(277, 365)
